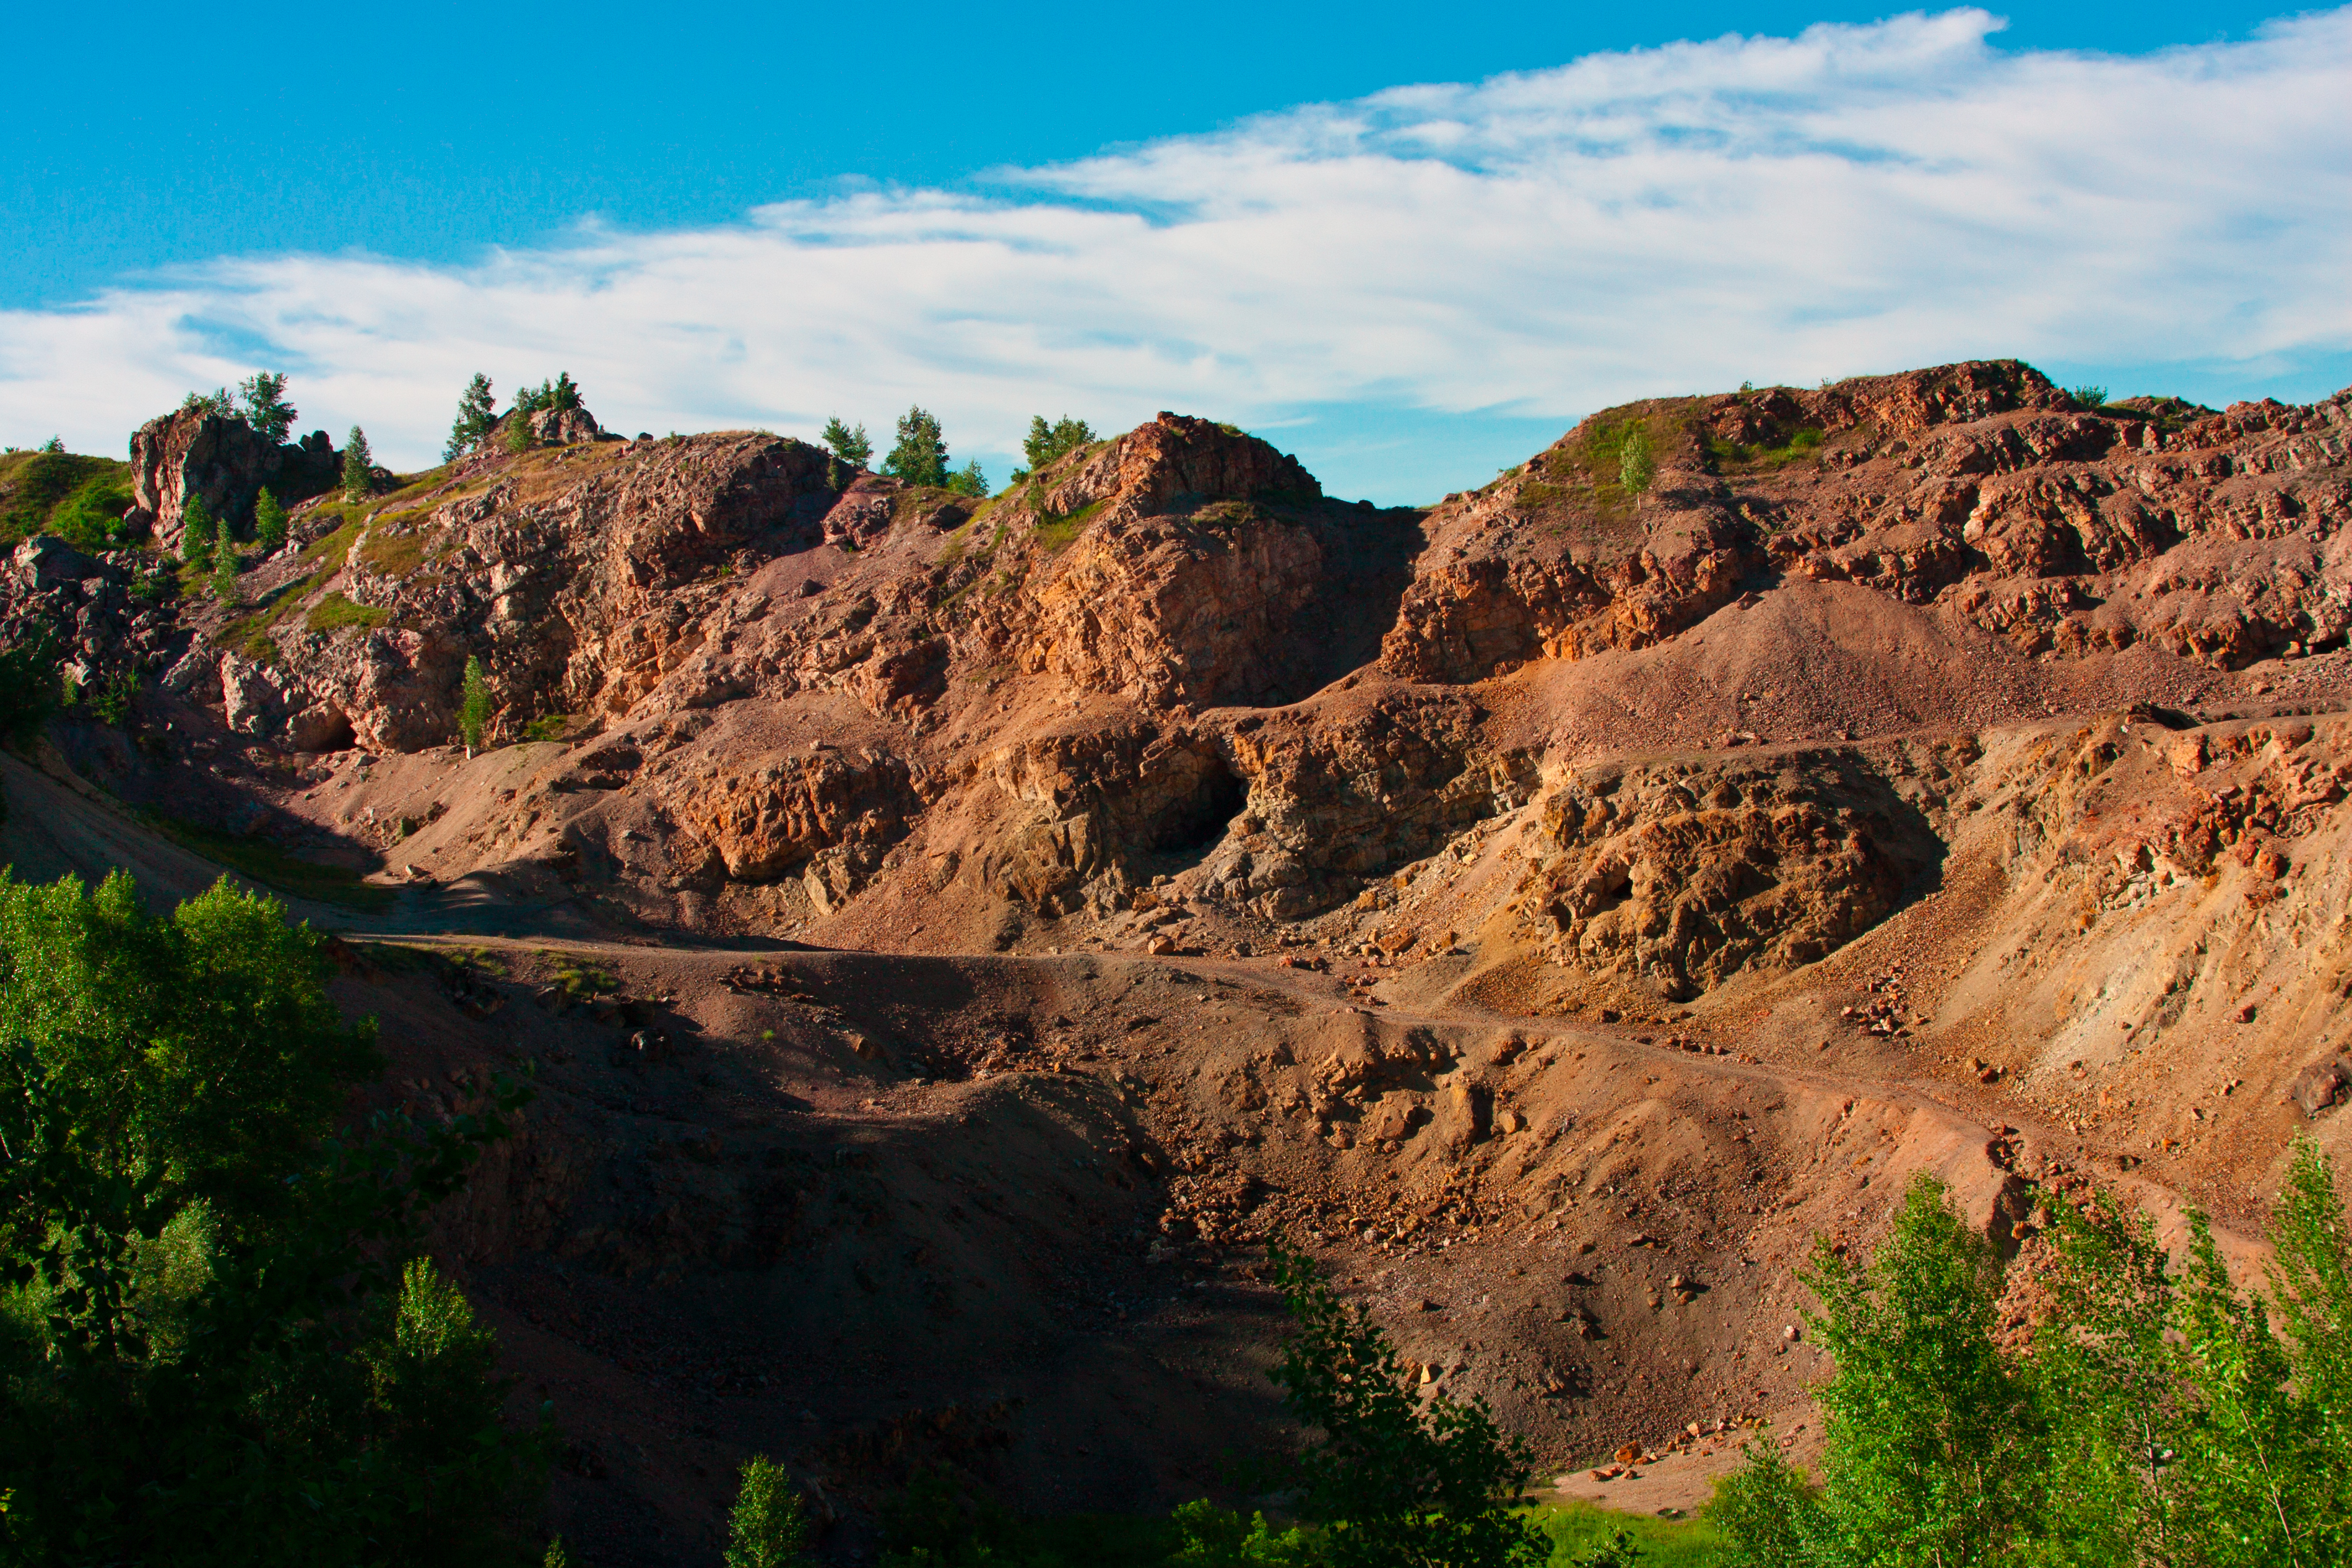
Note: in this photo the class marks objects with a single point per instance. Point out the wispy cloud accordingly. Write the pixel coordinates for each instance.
(1536, 245)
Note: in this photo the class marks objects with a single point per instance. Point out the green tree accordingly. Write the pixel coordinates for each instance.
(969, 480)
(205, 1356)
(1928, 1430)
(473, 706)
(920, 456)
(359, 465)
(1635, 468)
(197, 532)
(851, 445)
(30, 687)
(1399, 1484)
(270, 522)
(2089, 397)
(261, 401)
(225, 565)
(766, 1528)
(477, 413)
(557, 394)
(1047, 444)
(521, 434)
(222, 403)
(55, 445)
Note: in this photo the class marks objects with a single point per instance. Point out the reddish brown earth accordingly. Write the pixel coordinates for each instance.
(986, 923)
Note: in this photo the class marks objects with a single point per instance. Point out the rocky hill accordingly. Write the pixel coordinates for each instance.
(987, 919)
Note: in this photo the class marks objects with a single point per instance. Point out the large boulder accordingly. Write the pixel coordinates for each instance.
(196, 451)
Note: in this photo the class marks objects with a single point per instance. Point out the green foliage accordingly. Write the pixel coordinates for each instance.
(1636, 468)
(766, 1528)
(81, 500)
(547, 726)
(359, 464)
(270, 522)
(261, 402)
(225, 565)
(474, 707)
(54, 445)
(560, 394)
(260, 860)
(921, 458)
(203, 1044)
(851, 445)
(970, 480)
(477, 413)
(221, 404)
(1047, 443)
(30, 687)
(1396, 1482)
(206, 1356)
(2152, 1416)
(1055, 535)
(2088, 397)
(198, 534)
(521, 434)
(336, 611)
(1208, 1536)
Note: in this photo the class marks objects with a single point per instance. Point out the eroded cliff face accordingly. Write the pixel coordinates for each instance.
(1921, 773)
(198, 452)
(750, 682)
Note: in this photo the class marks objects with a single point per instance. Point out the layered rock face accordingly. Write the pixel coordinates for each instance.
(1167, 672)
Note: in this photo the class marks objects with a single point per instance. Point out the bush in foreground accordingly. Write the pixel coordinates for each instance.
(2148, 1414)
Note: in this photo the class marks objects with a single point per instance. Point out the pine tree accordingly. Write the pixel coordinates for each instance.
(921, 458)
(521, 434)
(262, 401)
(851, 445)
(358, 464)
(477, 413)
(473, 706)
(225, 565)
(269, 524)
(196, 533)
(969, 480)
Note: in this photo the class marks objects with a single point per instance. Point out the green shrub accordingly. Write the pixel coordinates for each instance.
(547, 726)
(2088, 397)
(30, 687)
(225, 565)
(473, 706)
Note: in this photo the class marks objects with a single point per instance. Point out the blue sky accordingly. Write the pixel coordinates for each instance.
(763, 216)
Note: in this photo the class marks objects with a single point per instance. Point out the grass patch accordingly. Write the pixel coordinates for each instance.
(335, 612)
(547, 726)
(1577, 1527)
(1800, 444)
(1054, 534)
(393, 554)
(578, 977)
(265, 863)
(330, 551)
(79, 498)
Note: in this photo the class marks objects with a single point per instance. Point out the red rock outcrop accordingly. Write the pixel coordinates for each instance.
(199, 452)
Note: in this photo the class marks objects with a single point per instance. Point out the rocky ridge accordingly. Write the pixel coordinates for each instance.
(1556, 905)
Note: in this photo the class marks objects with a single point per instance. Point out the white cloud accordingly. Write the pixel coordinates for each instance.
(1540, 244)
